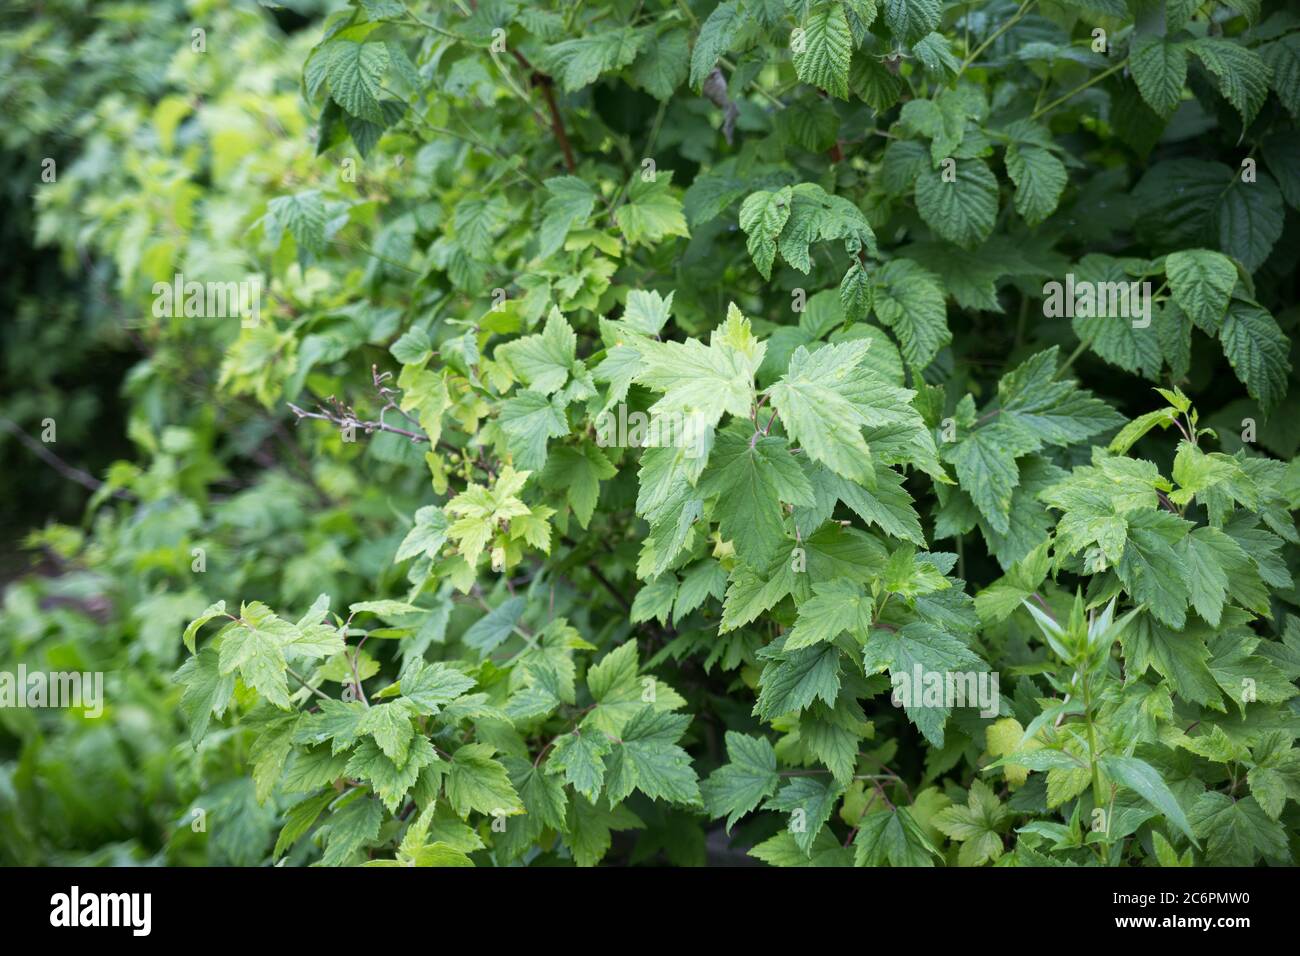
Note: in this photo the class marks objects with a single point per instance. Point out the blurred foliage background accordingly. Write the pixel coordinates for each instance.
(160, 156)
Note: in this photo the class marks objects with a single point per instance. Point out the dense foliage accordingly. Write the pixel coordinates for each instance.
(647, 399)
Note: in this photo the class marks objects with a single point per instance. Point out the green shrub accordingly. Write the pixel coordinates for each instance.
(861, 433)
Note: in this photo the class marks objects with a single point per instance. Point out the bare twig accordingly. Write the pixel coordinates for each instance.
(544, 83)
(72, 473)
(343, 416)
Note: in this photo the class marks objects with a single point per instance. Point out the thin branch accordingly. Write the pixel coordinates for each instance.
(599, 576)
(994, 35)
(479, 144)
(544, 83)
(344, 417)
(301, 680)
(596, 573)
(1078, 89)
(72, 473)
(1046, 607)
(1079, 350)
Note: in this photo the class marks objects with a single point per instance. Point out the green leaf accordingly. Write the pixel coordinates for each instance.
(646, 311)
(1235, 668)
(477, 221)
(580, 755)
(909, 300)
(1242, 74)
(355, 74)
(303, 215)
(392, 779)
(836, 606)
(621, 691)
(207, 691)
(543, 361)
(569, 204)
(935, 54)
(1201, 282)
(977, 826)
(962, 210)
(705, 380)
(476, 782)
(432, 686)
(1057, 412)
(985, 462)
(763, 215)
(1116, 329)
(741, 784)
(1237, 832)
(798, 678)
(874, 83)
(909, 20)
(1036, 409)
(655, 600)
(1135, 429)
(1182, 659)
(810, 803)
(717, 35)
(529, 420)
(891, 836)
(940, 120)
(651, 212)
(1140, 777)
(753, 476)
(1258, 350)
(1206, 579)
(299, 820)
(1159, 68)
(427, 535)
(580, 62)
(1269, 788)
(1150, 568)
(385, 609)
(782, 850)
(424, 393)
(794, 217)
(648, 759)
(662, 64)
(390, 725)
(544, 800)
(856, 292)
(614, 676)
(822, 53)
(1283, 59)
(922, 646)
(1248, 218)
(1277, 149)
(487, 633)
(1004, 596)
(255, 648)
(578, 472)
(823, 404)
(1040, 179)
(589, 826)
(350, 829)
(884, 505)
(212, 612)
